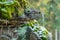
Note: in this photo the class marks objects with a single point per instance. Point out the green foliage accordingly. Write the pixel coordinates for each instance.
(7, 8)
(34, 27)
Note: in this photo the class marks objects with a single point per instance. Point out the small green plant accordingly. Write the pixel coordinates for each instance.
(34, 27)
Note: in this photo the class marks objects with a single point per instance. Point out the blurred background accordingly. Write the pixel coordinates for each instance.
(50, 13)
(50, 10)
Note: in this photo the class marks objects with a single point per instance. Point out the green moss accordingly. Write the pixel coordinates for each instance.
(8, 7)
